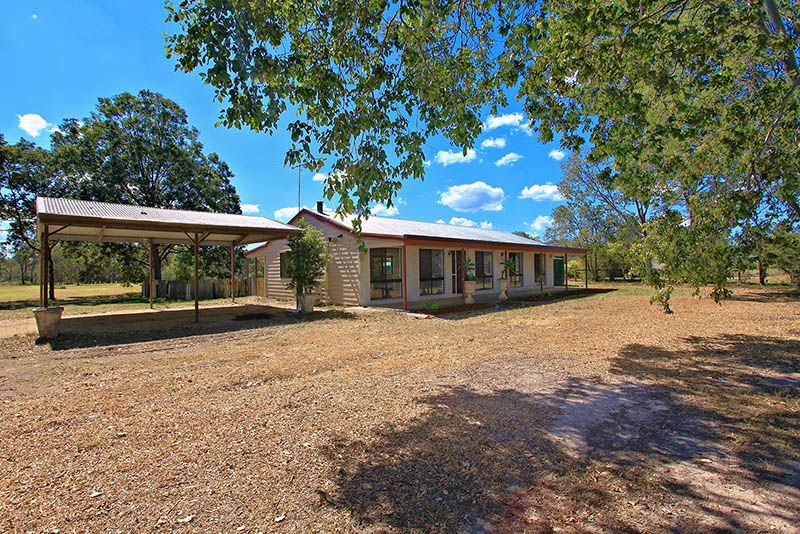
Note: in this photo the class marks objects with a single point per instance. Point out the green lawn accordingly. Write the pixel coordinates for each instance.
(30, 292)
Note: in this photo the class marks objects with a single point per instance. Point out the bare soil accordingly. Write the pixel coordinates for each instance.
(596, 413)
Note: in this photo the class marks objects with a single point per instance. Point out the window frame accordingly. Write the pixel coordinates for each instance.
(515, 279)
(480, 272)
(283, 265)
(387, 285)
(433, 285)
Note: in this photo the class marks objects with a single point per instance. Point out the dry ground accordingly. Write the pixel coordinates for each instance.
(591, 414)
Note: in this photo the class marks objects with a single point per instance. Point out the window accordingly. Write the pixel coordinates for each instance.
(483, 270)
(284, 261)
(431, 272)
(385, 273)
(538, 266)
(515, 276)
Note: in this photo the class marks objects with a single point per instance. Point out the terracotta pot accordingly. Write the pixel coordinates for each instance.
(48, 321)
(469, 290)
(307, 302)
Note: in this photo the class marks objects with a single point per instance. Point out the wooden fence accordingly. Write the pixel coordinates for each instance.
(208, 288)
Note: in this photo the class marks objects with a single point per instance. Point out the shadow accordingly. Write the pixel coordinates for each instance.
(83, 331)
(771, 296)
(482, 308)
(746, 384)
(641, 453)
(128, 298)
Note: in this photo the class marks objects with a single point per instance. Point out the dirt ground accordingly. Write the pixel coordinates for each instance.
(597, 413)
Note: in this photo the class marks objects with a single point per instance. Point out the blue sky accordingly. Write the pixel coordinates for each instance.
(61, 56)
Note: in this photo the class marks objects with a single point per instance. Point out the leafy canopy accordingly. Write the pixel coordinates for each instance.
(308, 258)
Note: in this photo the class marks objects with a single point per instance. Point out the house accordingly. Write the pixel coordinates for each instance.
(410, 263)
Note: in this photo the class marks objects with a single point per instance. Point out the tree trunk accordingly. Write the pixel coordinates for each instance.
(51, 274)
(156, 262)
(762, 272)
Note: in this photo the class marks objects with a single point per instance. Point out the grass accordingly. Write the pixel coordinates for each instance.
(584, 414)
(30, 292)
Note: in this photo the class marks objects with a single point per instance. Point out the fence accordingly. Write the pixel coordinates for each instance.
(208, 288)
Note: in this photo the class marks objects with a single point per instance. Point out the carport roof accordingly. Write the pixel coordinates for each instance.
(81, 220)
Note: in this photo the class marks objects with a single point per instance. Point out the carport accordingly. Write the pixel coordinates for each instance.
(62, 219)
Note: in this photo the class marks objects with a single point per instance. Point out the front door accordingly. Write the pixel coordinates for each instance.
(558, 271)
(456, 263)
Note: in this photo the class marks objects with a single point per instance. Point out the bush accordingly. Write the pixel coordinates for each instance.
(308, 258)
(432, 307)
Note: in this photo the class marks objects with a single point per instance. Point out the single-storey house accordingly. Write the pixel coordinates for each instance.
(410, 263)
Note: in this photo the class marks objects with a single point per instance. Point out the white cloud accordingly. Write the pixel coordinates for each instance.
(541, 223)
(285, 214)
(548, 191)
(448, 157)
(35, 17)
(493, 142)
(250, 208)
(32, 123)
(509, 119)
(381, 210)
(427, 163)
(477, 196)
(556, 154)
(463, 221)
(319, 177)
(508, 159)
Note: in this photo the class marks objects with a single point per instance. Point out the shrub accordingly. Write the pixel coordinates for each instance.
(308, 258)
(432, 307)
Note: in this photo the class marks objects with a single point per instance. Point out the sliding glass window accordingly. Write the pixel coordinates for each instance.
(385, 273)
(483, 270)
(515, 277)
(431, 272)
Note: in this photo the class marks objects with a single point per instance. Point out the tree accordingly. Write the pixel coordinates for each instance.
(695, 103)
(784, 250)
(25, 173)
(308, 258)
(139, 149)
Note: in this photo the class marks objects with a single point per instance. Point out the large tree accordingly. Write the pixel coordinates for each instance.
(140, 149)
(693, 102)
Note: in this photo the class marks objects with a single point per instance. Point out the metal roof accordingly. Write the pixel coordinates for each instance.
(407, 229)
(81, 220)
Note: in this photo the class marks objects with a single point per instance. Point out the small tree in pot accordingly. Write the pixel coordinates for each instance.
(509, 269)
(469, 280)
(308, 258)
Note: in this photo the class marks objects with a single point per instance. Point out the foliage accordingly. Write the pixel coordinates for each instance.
(308, 258)
(693, 105)
(432, 306)
(140, 149)
(469, 269)
(509, 267)
(784, 251)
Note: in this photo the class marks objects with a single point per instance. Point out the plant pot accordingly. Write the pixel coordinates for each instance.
(503, 290)
(307, 302)
(48, 321)
(469, 290)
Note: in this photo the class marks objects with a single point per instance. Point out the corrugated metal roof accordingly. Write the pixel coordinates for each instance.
(81, 220)
(403, 228)
(66, 207)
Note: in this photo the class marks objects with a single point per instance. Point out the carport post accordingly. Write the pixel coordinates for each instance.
(233, 271)
(44, 275)
(196, 282)
(152, 279)
(42, 269)
(586, 271)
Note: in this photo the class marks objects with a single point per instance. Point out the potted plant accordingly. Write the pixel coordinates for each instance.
(308, 258)
(470, 280)
(509, 268)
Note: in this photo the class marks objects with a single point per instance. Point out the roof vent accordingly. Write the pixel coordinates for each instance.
(320, 209)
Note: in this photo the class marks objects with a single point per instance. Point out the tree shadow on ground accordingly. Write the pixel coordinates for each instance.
(771, 296)
(615, 456)
(83, 331)
(95, 300)
(464, 312)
